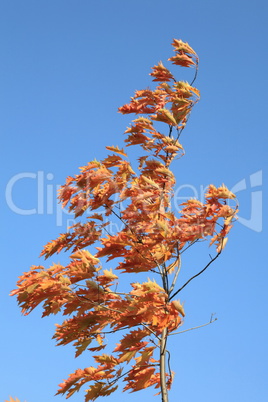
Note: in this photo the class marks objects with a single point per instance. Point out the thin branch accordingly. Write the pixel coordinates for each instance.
(196, 71)
(190, 245)
(168, 362)
(164, 277)
(196, 275)
(199, 326)
(152, 332)
(175, 279)
(170, 129)
(176, 275)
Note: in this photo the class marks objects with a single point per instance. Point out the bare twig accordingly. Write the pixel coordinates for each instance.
(199, 326)
(196, 71)
(196, 275)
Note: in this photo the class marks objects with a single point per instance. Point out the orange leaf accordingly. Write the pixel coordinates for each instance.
(117, 150)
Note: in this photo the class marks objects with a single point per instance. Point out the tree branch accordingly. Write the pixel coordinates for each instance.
(196, 72)
(163, 351)
(199, 326)
(195, 276)
(176, 273)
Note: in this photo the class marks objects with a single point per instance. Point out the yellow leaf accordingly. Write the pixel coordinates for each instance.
(150, 181)
(165, 116)
(109, 274)
(126, 357)
(178, 306)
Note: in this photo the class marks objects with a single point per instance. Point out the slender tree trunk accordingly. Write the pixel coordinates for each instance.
(163, 352)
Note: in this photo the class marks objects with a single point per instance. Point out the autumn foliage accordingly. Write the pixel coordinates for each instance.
(151, 238)
(12, 400)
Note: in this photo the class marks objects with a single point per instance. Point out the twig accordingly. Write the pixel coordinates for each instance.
(199, 326)
(196, 275)
(176, 273)
(196, 71)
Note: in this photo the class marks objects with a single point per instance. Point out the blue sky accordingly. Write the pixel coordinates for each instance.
(65, 69)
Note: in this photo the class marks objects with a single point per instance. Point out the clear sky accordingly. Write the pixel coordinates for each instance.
(66, 66)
